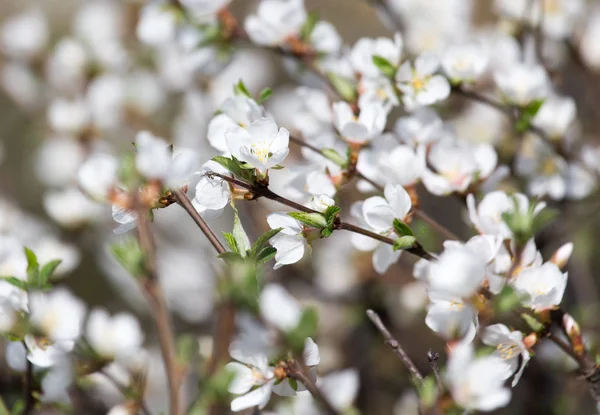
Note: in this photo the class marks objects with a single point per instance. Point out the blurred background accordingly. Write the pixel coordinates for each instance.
(37, 164)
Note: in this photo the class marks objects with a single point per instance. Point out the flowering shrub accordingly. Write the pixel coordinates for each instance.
(258, 229)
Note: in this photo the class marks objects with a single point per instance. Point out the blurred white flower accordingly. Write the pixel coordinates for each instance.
(362, 129)
(157, 24)
(423, 126)
(361, 55)
(275, 21)
(45, 353)
(325, 39)
(70, 208)
(68, 117)
(58, 314)
(25, 35)
(542, 287)
(521, 83)
(289, 242)
(119, 336)
(279, 308)
(464, 63)
(451, 317)
(556, 116)
(476, 383)
(98, 175)
(459, 271)
(509, 347)
(238, 110)
(57, 161)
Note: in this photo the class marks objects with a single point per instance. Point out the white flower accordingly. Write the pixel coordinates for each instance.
(521, 83)
(555, 116)
(279, 308)
(590, 39)
(403, 165)
(205, 10)
(58, 160)
(238, 110)
(379, 90)
(97, 176)
(16, 356)
(325, 38)
(423, 126)
(362, 129)
(543, 287)
(211, 195)
(25, 35)
(456, 164)
(451, 318)
(459, 272)
(487, 216)
(70, 208)
(45, 353)
(58, 314)
(157, 24)
(378, 214)
(56, 383)
(321, 203)
(119, 336)
(70, 117)
(275, 21)
(13, 261)
(262, 146)
(464, 63)
(289, 242)
(361, 55)
(509, 346)
(476, 383)
(419, 84)
(126, 218)
(153, 159)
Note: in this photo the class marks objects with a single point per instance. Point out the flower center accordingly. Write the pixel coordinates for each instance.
(456, 305)
(258, 377)
(507, 350)
(261, 151)
(418, 84)
(548, 167)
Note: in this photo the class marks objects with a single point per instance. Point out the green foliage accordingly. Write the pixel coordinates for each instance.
(187, 348)
(402, 229)
(238, 168)
(428, 391)
(48, 270)
(524, 225)
(263, 241)
(506, 300)
(18, 408)
(309, 26)
(307, 327)
(527, 114)
(239, 234)
(404, 242)
(129, 254)
(264, 95)
(314, 220)
(240, 89)
(532, 322)
(344, 87)
(16, 282)
(334, 156)
(230, 239)
(384, 66)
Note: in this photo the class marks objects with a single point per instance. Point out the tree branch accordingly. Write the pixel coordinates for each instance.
(158, 306)
(28, 387)
(395, 346)
(298, 374)
(261, 191)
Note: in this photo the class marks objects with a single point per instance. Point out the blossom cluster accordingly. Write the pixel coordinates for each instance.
(159, 114)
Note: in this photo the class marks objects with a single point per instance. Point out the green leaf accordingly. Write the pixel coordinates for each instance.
(239, 234)
(543, 218)
(331, 213)
(33, 267)
(334, 156)
(129, 254)
(263, 240)
(187, 348)
(240, 89)
(404, 242)
(16, 282)
(264, 95)
(345, 87)
(48, 270)
(527, 114)
(308, 26)
(18, 407)
(402, 228)
(230, 239)
(239, 169)
(532, 322)
(314, 220)
(266, 255)
(326, 232)
(428, 391)
(506, 300)
(384, 66)
(230, 257)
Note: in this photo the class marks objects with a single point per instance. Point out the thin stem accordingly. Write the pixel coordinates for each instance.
(298, 374)
(28, 387)
(124, 391)
(436, 225)
(394, 345)
(260, 191)
(185, 203)
(433, 363)
(158, 307)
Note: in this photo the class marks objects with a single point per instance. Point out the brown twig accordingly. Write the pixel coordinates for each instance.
(433, 363)
(28, 387)
(298, 374)
(158, 306)
(262, 191)
(395, 346)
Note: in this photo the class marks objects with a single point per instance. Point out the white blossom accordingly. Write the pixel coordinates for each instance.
(542, 287)
(289, 242)
(117, 336)
(361, 55)
(419, 83)
(509, 347)
(521, 84)
(362, 129)
(275, 21)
